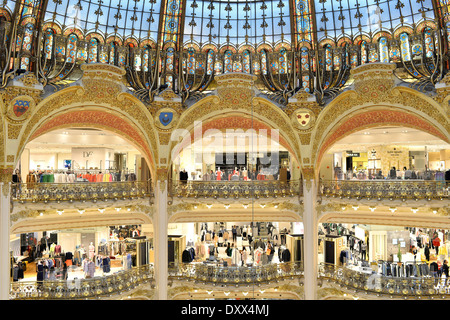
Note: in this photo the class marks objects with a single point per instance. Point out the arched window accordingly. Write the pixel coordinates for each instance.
(93, 51)
(71, 48)
(363, 45)
(304, 64)
(48, 43)
(328, 61)
(191, 60)
(103, 53)
(170, 67)
(26, 45)
(228, 66)
(209, 62)
(384, 50)
(246, 61)
(404, 46)
(428, 41)
(264, 61)
(282, 65)
(146, 58)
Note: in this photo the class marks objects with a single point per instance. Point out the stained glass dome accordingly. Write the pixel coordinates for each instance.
(181, 44)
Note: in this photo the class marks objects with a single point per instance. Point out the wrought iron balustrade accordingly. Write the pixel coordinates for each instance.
(217, 274)
(386, 189)
(382, 285)
(80, 191)
(236, 189)
(82, 288)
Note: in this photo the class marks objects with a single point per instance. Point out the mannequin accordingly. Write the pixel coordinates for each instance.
(218, 174)
(91, 251)
(245, 174)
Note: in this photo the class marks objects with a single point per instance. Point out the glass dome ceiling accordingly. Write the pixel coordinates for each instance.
(290, 45)
(236, 23)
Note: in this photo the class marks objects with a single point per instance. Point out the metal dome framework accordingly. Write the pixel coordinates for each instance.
(291, 45)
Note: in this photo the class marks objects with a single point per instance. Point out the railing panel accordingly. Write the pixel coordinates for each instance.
(236, 189)
(236, 274)
(80, 191)
(82, 288)
(386, 189)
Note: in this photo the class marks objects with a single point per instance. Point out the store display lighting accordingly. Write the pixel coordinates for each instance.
(41, 213)
(209, 206)
(343, 208)
(355, 207)
(60, 212)
(209, 292)
(118, 209)
(245, 293)
(392, 209)
(414, 210)
(372, 208)
(245, 206)
(226, 293)
(226, 206)
(434, 211)
(101, 210)
(81, 211)
(263, 206)
(262, 291)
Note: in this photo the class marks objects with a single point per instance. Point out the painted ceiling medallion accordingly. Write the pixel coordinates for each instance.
(19, 107)
(165, 118)
(303, 118)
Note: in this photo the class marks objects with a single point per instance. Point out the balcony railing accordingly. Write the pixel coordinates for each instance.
(82, 288)
(386, 189)
(80, 191)
(236, 189)
(383, 285)
(122, 281)
(235, 275)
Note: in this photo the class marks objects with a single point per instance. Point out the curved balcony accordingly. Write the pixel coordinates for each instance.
(80, 191)
(236, 189)
(379, 285)
(215, 274)
(386, 189)
(83, 288)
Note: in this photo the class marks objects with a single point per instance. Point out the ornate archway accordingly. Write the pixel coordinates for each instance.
(376, 99)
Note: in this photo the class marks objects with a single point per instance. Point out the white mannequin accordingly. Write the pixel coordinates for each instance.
(91, 251)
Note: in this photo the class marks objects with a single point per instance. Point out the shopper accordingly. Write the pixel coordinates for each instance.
(234, 232)
(436, 243)
(414, 252)
(445, 271)
(229, 251)
(363, 251)
(426, 252)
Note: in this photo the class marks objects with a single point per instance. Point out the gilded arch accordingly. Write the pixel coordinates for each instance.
(374, 97)
(224, 112)
(102, 90)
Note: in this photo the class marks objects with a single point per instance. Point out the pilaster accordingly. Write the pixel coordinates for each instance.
(5, 206)
(310, 234)
(160, 234)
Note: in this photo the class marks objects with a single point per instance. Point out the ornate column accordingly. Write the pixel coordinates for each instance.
(5, 206)
(160, 234)
(310, 233)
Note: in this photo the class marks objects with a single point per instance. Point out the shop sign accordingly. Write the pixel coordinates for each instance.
(353, 154)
